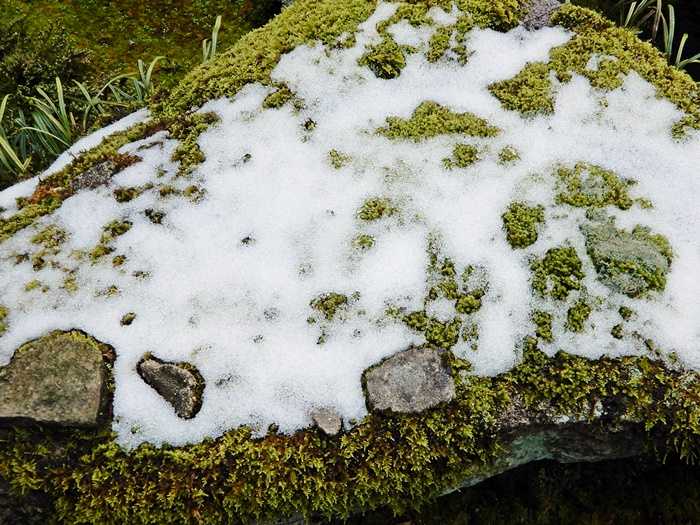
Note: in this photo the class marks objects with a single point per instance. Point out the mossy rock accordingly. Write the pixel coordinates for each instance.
(318, 213)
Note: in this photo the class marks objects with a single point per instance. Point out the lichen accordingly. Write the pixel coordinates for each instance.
(430, 119)
(521, 222)
(630, 262)
(590, 186)
(463, 156)
(558, 273)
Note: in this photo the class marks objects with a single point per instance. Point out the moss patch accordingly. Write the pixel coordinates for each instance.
(529, 92)
(543, 325)
(556, 274)
(386, 59)
(338, 159)
(376, 208)
(430, 119)
(520, 222)
(586, 185)
(329, 304)
(577, 315)
(463, 156)
(4, 312)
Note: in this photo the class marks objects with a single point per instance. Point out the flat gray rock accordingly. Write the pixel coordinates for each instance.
(57, 379)
(327, 420)
(410, 381)
(539, 13)
(180, 384)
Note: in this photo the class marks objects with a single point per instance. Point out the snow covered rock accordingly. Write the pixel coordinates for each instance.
(354, 179)
(180, 384)
(58, 379)
(410, 381)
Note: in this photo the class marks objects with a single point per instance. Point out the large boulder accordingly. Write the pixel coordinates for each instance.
(354, 179)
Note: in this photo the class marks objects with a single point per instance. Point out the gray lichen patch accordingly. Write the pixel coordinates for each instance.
(587, 185)
(430, 119)
(629, 262)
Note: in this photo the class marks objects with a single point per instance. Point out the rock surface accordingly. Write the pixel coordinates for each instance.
(539, 13)
(179, 384)
(327, 420)
(410, 381)
(94, 177)
(57, 379)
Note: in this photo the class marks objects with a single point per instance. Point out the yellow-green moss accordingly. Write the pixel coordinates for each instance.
(50, 237)
(543, 325)
(127, 319)
(385, 59)
(4, 312)
(363, 241)
(439, 43)
(338, 159)
(329, 304)
(556, 274)
(626, 313)
(430, 119)
(110, 232)
(577, 315)
(187, 130)
(376, 208)
(278, 98)
(520, 222)
(508, 155)
(587, 185)
(463, 156)
(528, 92)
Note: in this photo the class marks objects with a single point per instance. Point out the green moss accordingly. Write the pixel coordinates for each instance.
(35, 284)
(329, 304)
(577, 315)
(386, 59)
(278, 98)
(439, 43)
(187, 130)
(4, 312)
(630, 262)
(559, 272)
(338, 159)
(124, 194)
(586, 185)
(442, 334)
(127, 319)
(529, 92)
(51, 237)
(468, 303)
(118, 260)
(376, 208)
(363, 241)
(520, 222)
(110, 232)
(508, 155)
(617, 331)
(543, 325)
(70, 284)
(430, 119)
(463, 156)
(26, 216)
(626, 313)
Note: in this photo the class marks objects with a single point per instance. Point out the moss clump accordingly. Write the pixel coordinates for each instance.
(442, 334)
(529, 92)
(439, 44)
(110, 232)
(118, 260)
(376, 208)
(338, 159)
(543, 326)
(520, 222)
(4, 312)
(587, 185)
(559, 272)
(632, 263)
(508, 155)
(617, 331)
(463, 156)
(126, 194)
(626, 313)
(363, 241)
(577, 315)
(187, 130)
(51, 237)
(386, 59)
(278, 98)
(430, 119)
(127, 319)
(329, 304)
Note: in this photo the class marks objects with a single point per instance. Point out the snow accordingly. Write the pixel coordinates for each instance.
(206, 297)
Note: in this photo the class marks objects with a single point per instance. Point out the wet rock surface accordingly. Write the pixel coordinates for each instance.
(328, 420)
(410, 381)
(180, 384)
(57, 379)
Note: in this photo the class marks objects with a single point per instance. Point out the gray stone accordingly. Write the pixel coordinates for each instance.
(328, 420)
(180, 384)
(539, 13)
(98, 175)
(410, 381)
(57, 379)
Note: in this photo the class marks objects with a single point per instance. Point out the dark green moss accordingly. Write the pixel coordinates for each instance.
(386, 59)
(187, 130)
(617, 331)
(543, 325)
(559, 272)
(520, 222)
(430, 119)
(626, 313)
(4, 312)
(127, 319)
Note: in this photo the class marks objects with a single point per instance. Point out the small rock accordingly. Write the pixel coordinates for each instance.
(98, 175)
(410, 381)
(180, 384)
(539, 13)
(57, 379)
(328, 420)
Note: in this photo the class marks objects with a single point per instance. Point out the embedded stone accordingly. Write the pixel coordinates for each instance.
(410, 381)
(58, 379)
(93, 177)
(328, 420)
(539, 13)
(180, 384)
